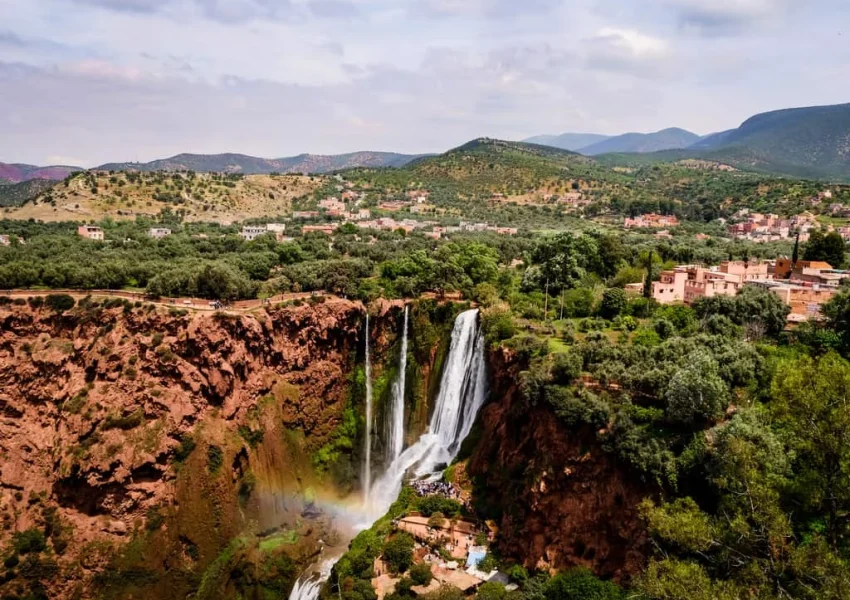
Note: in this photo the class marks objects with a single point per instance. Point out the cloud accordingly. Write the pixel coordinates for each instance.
(627, 50)
(7, 38)
(333, 9)
(138, 6)
(481, 8)
(726, 16)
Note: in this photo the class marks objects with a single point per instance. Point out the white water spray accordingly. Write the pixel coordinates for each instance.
(367, 466)
(395, 418)
(308, 586)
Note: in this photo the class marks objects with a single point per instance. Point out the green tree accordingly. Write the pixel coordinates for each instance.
(421, 574)
(696, 393)
(828, 247)
(398, 552)
(810, 401)
(581, 584)
(613, 303)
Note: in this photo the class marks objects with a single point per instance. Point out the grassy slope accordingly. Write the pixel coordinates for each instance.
(205, 197)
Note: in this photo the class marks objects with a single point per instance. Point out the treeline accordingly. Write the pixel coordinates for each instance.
(740, 427)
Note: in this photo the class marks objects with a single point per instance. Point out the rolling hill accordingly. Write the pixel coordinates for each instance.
(252, 165)
(666, 139)
(591, 144)
(16, 173)
(15, 194)
(803, 142)
(94, 195)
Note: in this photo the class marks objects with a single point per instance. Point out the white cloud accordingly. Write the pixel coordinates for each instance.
(138, 79)
(632, 43)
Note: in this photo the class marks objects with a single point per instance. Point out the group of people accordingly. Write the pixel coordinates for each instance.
(430, 488)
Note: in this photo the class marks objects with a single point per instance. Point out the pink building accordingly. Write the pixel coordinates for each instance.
(686, 283)
(90, 232)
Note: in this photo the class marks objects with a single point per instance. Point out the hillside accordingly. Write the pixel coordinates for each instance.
(208, 197)
(15, 194)
(17, 173)
(806, 142)
(568, 141)
(251, 165)
(666, 139)
(485, 169)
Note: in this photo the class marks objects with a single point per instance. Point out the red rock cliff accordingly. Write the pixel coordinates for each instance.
(559, 499)
(96, 406)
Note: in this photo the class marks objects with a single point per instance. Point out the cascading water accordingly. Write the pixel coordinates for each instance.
(308, 586)
(367, 464)
(395, 416)
(463, 389)
(462, 392)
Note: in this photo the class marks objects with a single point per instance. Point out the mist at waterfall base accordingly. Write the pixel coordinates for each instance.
(463, 389)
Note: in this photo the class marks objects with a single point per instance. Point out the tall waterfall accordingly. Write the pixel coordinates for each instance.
(395, 416)
(463, 389)
(367, 464)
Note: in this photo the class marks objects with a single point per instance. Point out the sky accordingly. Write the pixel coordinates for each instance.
(84, 82)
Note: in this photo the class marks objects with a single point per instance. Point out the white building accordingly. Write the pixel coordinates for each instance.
(158, 233)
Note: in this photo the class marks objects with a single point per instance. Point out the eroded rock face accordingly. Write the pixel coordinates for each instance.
(562, 500)
(94, 406)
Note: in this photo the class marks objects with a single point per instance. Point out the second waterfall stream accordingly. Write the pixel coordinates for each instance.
(463, 389)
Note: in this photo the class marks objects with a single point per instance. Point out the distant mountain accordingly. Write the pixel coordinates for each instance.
(16, 173)
(251, 165)
(568, 141)
(803, 142)
(666, 139)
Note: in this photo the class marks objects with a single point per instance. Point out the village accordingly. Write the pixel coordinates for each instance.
(449, 550)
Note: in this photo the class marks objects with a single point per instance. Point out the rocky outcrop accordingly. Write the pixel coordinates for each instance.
(114, 417)
(558, 498)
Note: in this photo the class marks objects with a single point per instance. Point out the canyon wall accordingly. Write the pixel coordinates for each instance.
(152, 453)
(558, 498)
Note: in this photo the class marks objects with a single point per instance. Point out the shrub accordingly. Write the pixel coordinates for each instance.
(566, 367)
(253, 437)
(518, 574)
(31, 540)
(497, 326)
(421, 574)
(581, 584)
(437, 520)
(215, 458)
(491, 591)
(398, 552)
(60, 302)
(429, 505)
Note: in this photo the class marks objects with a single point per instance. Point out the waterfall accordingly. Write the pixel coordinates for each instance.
(367, 466)
(463, 389)
(308, 586)
(395, 418)
(462, 392)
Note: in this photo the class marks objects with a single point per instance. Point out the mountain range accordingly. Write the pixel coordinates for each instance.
(591, 144)
(16, 173)
(811, 142)
(251, 165)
